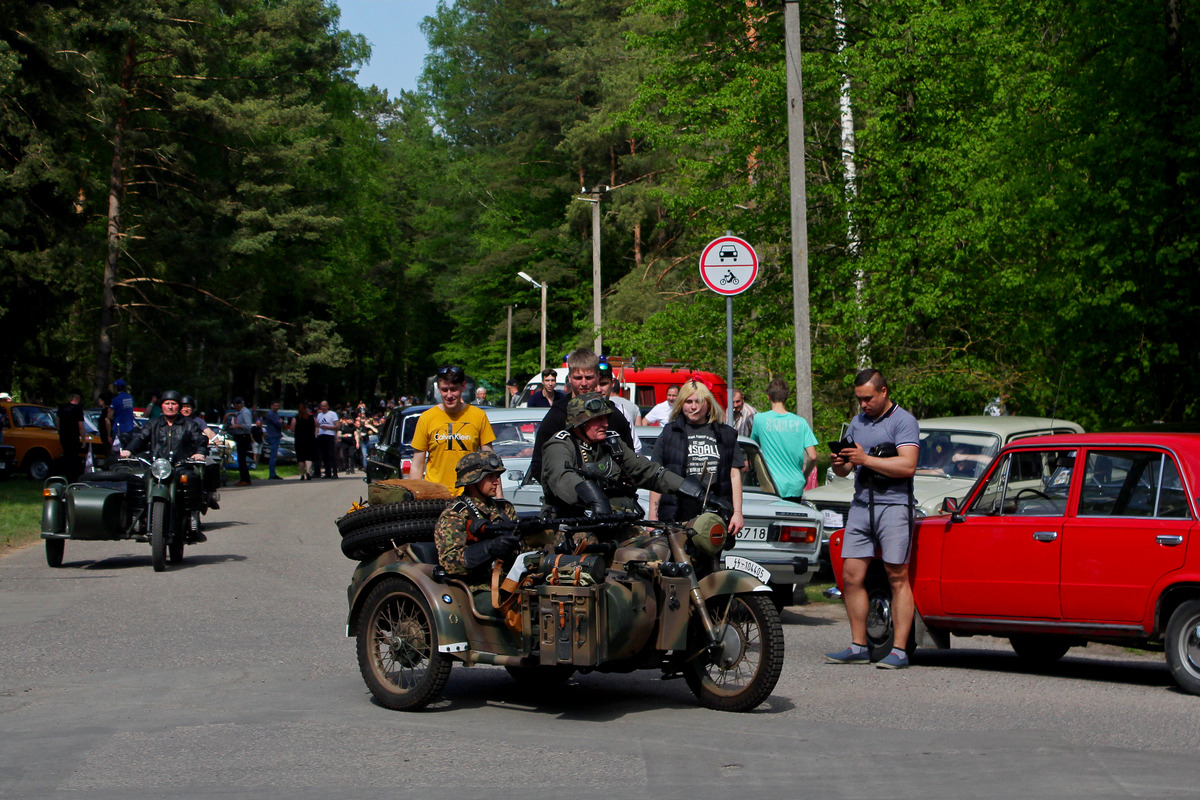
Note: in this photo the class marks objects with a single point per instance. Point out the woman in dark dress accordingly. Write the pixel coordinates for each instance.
(306, 440)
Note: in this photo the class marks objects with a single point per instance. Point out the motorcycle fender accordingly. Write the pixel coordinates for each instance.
(449, 615)
(54, 512)
(730, 581)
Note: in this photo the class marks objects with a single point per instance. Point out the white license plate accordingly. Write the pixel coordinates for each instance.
(749, 533)
(746, 565)
(833, 520)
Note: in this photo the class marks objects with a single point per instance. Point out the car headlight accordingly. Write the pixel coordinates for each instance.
(161, 469)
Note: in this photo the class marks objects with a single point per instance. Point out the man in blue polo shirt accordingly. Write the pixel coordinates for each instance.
(885, 440)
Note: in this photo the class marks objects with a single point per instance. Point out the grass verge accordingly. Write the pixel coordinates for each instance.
(20, 511)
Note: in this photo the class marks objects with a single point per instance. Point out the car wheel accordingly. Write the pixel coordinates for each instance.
(1183, 646)
(398, 647)
(38, 467)
(54, 552)
(1038, 649)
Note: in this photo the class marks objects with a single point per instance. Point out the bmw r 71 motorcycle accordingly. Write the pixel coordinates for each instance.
(655, 599)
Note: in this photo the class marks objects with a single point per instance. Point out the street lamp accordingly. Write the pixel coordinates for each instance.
(541, 286)
(594, 198)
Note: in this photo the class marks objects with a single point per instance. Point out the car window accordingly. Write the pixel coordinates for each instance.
(515, 439)
(955, 454)
(409, 428)
(1125, 483)
(34, 417)
(756, 475)
(1029, 483)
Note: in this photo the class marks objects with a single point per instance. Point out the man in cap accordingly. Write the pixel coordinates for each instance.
(476, 528)
(511, 390)
(588, 469)
(123, 424)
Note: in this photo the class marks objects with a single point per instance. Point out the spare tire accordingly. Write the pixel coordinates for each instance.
(390, 512)
(365, 544)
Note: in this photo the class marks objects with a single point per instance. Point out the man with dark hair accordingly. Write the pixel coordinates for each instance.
(548, 394)
(240, 420)
(511, 390)
(743, 414)
(448, 432)
(661, 413)
(583, 376)
(885, 441)
(787, 441)
(71, 435)
(273, 426)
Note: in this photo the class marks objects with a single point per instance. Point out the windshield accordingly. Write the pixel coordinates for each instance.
(955, 454)
(515, 439)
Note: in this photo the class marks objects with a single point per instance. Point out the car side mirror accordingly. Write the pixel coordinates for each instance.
(950, 506)
(516, 475)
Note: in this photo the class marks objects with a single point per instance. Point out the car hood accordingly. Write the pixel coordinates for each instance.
(928, 491)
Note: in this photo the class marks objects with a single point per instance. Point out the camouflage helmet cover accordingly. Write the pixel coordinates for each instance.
(585, 407)
(471, 468)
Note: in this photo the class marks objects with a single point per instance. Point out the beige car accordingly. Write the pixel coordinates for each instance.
(954, 452)
(33, 430)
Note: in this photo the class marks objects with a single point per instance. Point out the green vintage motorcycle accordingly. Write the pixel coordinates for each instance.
(145, 500)
(656, 599)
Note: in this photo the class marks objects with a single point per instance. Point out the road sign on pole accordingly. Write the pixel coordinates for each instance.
(728, 265)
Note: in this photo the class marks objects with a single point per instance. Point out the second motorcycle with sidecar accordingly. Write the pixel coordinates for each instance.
(145, 500)
(652, 597)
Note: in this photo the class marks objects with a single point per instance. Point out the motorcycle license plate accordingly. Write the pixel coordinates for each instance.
(746, 565)
(749, 533)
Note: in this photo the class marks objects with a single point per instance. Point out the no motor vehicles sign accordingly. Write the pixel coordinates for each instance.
(728, 265)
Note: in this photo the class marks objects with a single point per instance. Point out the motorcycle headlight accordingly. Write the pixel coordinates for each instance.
(707, 533)
(161, 469)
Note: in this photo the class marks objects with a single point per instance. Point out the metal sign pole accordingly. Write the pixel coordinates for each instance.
(729, 359)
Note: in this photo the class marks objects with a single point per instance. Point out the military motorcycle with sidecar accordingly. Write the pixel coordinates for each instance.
(655, 599)
(146, 500)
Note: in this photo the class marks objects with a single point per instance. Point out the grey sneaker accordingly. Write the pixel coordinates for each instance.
(848, 657)
(892, 661)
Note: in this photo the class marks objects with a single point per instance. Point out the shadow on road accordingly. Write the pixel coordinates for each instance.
(143, 562)
(1135, 672)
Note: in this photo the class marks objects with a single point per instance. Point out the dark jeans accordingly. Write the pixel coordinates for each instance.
(325, 447)
(273, 444)
(245, 452)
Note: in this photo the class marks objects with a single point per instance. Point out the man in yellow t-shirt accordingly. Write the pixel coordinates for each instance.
(448, 431)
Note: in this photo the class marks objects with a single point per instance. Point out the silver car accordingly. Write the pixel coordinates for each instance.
(782, 536)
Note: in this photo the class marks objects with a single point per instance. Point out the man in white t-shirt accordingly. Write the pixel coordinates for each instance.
(611, 389)
(327, 430)
(661, 413)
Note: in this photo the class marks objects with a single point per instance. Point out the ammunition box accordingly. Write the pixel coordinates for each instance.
(571, 625)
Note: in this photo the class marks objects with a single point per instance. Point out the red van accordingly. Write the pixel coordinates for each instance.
(647, 386)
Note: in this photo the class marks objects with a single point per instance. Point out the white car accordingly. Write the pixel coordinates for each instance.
(782, 536)
(515, 429)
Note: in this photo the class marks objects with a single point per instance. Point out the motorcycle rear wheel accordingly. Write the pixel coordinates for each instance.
(398, 647)
(754, 644)
(157, 531)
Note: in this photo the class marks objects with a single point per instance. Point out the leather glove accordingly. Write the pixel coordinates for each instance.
(691, 488)
(478, 530)
(590, 495)
(721, 506)
(485, 552)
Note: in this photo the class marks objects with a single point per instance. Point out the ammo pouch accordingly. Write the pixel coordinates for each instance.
(572, 570)
(873, 479)
(570, 624)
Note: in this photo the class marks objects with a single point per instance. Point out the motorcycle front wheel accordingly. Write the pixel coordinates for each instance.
(398, 647)
(745, 670)
(156, 529)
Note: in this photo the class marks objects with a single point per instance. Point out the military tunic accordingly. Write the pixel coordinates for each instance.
(619, 472)
(450, 536)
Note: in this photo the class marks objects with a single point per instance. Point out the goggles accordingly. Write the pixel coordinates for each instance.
(596, 405)
(452, 373)
(490, 461)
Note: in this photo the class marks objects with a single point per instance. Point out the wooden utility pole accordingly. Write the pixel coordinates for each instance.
(799, 202)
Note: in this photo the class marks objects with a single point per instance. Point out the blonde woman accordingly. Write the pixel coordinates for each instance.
(697, 443)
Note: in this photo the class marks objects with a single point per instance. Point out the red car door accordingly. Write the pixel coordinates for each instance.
(1130, 528)
(1003, 560)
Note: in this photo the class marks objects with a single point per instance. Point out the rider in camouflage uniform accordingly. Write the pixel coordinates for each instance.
(588, 470)
(466, 544)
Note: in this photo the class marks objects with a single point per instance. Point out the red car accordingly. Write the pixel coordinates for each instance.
(1062, 541)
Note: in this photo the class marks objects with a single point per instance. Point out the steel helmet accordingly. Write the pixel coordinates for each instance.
(585, 407)
(170, 394)
(471, 468)
(187, 400)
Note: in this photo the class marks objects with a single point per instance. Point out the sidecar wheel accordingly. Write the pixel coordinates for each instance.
(54, 552)
(157, 530)
(745, 674)
(398, 647)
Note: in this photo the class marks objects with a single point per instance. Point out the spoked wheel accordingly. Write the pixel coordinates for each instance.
(742, 673)
(157, 531)
(54, 552)
(398, 647)
(1182, 646)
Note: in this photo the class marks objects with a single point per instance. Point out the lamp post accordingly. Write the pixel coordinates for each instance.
(508, 353)
(594, 197)
(541, 286)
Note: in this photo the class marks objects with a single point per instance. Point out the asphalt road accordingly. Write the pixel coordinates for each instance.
(230, 676)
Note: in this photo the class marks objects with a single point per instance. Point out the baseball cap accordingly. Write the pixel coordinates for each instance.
(119, 383)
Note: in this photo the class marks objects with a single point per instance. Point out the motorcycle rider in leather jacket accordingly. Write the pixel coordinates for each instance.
(170, 435)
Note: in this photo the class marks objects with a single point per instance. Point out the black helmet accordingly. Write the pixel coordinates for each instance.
(187, 401)
(170, 394)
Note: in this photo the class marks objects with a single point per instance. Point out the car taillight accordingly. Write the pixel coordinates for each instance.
(797, 534)
(406, 466)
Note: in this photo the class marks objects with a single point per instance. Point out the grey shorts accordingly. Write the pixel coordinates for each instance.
(891, 537)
